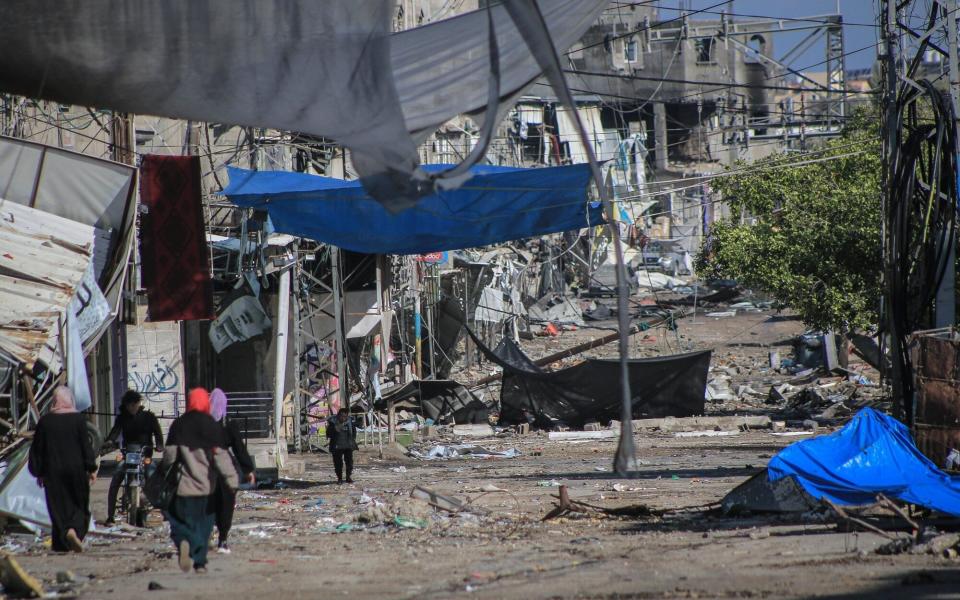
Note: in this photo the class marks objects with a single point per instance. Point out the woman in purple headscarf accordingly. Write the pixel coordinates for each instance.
(225, 498)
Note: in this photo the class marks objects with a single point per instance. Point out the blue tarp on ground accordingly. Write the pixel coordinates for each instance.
(497, 204)
(873, 454)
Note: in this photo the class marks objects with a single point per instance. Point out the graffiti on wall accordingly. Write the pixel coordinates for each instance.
(154, 377)
(155, 364)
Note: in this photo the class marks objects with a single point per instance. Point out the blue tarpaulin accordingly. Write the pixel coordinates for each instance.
(874, 454)
(497, 204)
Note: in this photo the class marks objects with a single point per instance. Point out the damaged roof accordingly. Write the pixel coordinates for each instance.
(42, 261)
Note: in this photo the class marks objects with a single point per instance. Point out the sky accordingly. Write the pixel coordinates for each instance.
(855, 37)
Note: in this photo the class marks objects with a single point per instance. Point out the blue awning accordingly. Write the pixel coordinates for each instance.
(497, 204)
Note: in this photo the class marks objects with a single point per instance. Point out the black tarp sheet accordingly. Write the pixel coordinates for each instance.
(437, 399)
(667, 386)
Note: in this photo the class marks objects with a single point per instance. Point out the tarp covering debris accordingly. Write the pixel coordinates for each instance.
(439, 400)
(873, 454)
(668, 386)
(20, 495)
(497, 204)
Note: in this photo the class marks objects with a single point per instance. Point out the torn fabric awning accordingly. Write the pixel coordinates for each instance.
(497, 204)
(332, 69)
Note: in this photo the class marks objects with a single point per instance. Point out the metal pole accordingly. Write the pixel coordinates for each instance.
(418, 347)
(280, 370)
(431, 299)
(343, 384)
(946, 294)
(383, 303)
(300, 400)
(888, 19)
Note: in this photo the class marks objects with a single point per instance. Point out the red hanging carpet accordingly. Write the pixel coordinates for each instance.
(173, 245)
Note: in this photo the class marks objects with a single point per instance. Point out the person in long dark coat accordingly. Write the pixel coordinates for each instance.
(65, 465)
(342, 434)
(225, 499)
(198, 444)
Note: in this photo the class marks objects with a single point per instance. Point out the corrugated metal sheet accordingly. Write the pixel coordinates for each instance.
(42, 260)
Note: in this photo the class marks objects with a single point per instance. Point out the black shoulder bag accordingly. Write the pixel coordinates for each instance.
(161, 486)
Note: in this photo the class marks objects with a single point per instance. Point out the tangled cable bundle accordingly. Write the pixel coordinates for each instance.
(920, 221)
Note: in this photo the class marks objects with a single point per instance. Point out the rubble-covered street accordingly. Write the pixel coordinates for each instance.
(308, 540)
(524, 299)
(312, 538)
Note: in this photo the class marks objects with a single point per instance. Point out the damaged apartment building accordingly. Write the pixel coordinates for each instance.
(667, 96)
(664, 97)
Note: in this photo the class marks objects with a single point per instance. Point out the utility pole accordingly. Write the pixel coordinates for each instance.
(733, 153)
(660, 134)
(907, 229)
(343, 386)
(946, 309)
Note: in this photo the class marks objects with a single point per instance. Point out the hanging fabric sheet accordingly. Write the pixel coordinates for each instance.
(173, 244)
(666, 386)
(497, 204)
(322, 68)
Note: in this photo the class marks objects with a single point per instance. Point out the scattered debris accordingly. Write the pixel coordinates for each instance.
(16, 581)
(461, 451)
(583, 435)
(686, 434)
(567, 506)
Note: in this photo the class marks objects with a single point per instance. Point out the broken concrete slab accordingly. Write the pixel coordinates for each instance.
(731, 423)
(479, 430)
(582, 435)
(709, 433)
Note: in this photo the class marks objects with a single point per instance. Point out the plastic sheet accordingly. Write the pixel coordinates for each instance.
(874, 454)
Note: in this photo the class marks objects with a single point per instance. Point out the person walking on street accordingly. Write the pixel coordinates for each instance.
(138, 426)
(342, 434)
(225, 499)
(65, 465)
(199, 445)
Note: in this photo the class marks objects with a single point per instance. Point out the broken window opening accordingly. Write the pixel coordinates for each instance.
(704, 50)
(630, 51)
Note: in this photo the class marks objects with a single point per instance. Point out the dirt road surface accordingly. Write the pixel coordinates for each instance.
(315, 539)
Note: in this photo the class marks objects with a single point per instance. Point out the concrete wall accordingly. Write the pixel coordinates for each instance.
(155, 365)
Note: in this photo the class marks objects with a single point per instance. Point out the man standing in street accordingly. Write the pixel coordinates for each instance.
(342, 434)
(138, 426)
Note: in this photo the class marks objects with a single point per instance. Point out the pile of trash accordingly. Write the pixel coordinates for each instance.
(403, 512)
(440, 451)
(827, 398)
(809, 383)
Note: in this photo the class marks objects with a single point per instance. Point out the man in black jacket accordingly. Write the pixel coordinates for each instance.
(138, 426)
(343, 441)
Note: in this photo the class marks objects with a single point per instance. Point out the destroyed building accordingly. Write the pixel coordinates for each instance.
(637, 74)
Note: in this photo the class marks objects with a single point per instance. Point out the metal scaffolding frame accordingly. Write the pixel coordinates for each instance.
(315, 297)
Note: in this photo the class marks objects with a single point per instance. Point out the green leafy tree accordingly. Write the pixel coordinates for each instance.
(808, 234)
